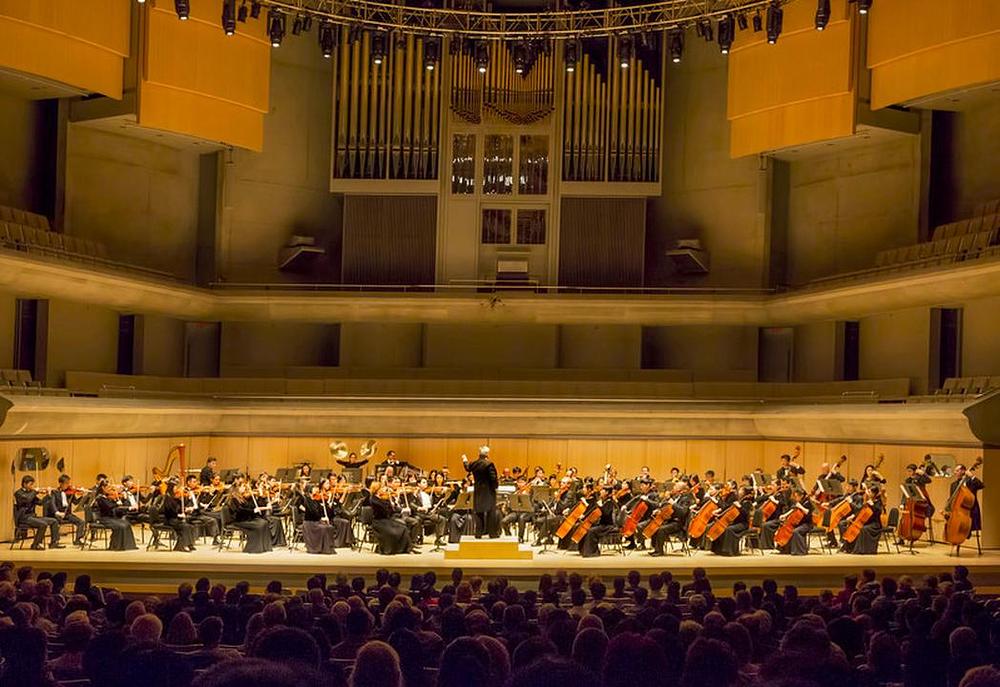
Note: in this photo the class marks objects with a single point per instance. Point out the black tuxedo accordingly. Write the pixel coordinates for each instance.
(59, 506)
(484, 497)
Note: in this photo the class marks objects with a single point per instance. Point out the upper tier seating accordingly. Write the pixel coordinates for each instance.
(960, 388)
(20, 382)
(29, 232)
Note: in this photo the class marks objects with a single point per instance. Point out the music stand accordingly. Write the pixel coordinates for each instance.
(286, 474)
(830, 488)
(521, 503)
(352, 475)
(227, 475)
(464, 501)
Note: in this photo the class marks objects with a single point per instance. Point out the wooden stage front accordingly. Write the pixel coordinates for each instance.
(161, 571)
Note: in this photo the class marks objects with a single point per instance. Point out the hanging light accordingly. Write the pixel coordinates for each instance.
(758, 23)
(675, 43)
(229, 17)
(571, 53)
(774, 20)
(432, 52)
(864, 6)
(255, 9)
(183, 9)
(727, 28)
(297, 25)
(327, 38)
(482, 56)
(626, 51)
(380, 43)
(520, 56)
(822, 14)
(741, 20)
(275, 27)
(241, 14)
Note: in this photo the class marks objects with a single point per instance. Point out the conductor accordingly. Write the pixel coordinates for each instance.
(484, 497)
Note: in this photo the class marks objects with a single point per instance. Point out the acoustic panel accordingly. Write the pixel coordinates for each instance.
(601, 241)
(389, 240)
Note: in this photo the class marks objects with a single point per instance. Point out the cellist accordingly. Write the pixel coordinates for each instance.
(867, 540)
(729, 543)
(652, 500)
(777, 490)
(683, 499)
(798, 545)
(589, 546)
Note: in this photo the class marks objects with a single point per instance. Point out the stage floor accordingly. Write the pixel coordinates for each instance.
(158, 571)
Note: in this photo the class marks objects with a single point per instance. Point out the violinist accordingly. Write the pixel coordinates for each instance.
(798, 545)
(59, 506)
(539, 479)
(425, 509)
(172, 510)
(246, 516)
(728, 544)
(683, 500)
(867, 540)
(589, 546)
(512, 519)
(26, 500)
(208, 471)
(773, 502)
(392, 533)
(209, 524)
(318, 531)
(305, 473)
(975, 485)
(111, 515)
(547, 516)
(132, 502)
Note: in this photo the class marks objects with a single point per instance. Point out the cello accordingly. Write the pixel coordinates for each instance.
(662, 514)
(633, 519)
(574, 516)
(958, 512)
(858, 523)
(727, 518)
(593, 517)
(699, 523)
(793, 519)
(915, 512)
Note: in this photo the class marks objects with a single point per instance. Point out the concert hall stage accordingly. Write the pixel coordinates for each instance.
(161, 571)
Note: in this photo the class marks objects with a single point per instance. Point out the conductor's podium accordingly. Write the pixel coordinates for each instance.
(501, 548)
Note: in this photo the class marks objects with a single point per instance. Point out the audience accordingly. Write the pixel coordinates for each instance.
(570, 631)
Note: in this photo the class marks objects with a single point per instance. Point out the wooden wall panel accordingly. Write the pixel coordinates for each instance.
(197, 81)
(799, 90)
(918, 48)
(82, 44)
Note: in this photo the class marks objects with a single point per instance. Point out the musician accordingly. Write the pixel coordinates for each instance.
(484, 500)
(917, 477)
(260, 498)
(317, 530)
(353, 462)
(393, 535)
(173, 511)
(647, 494)
(644, 474)
(519, 519)
(683, 500)
(539, 480)
(111, 515)
(872, 476)
(209, 524)
(403, 508)
(975, 485)
(246, 516)
(305, 472)
(425, 510)
(207, 472)
(506, 477)
(798, 545)
(59, 505)
(589, 546)
(132, 502)
(547, 516)
(769, 525)
(26, 500)
(867, 540)
(728, 544)
(829, 472)
(789, 469)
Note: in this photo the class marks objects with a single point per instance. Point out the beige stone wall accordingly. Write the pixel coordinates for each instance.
(897, 344)
(381, 345)
(600, 347)
(162, 346)
(8, 310)
(266, 349)
(845, 207)
(21, 138)
(487, 345)
(981, 338)
(80, 337)
(710, 353)
(815, 355)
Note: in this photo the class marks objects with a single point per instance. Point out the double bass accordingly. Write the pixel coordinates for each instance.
(958, 512)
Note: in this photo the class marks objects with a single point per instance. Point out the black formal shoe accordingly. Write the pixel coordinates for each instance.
(479, 536)
(57, 546)
(37, 547)
(656, 553)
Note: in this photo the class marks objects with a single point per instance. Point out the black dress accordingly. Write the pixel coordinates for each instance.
(589, 546)
(728, 544)
(246, 518)
(868, 537)
(798, 545)
(317, 530)
(172, 510)
(393, 535)
(109, 515)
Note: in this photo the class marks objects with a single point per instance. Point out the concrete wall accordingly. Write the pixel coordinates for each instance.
(268, 196)
(26, 140)
(162, 346)
(381, 345)
(8, 310)
(896, 344)
(265, 349)
(981, 338)
(965, 166)
(705, 193)
(136, 196)
(600, 347)
(815, 356)
(489, 345)
(845, 207)
(711, 353)
(80, 337)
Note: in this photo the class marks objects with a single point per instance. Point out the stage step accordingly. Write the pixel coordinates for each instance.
(501, 549)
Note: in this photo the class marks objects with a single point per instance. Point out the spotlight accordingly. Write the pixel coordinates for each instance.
(183, 9)
(520, 54)
(822, 14)
(380, 41)
(864, 6)
(297, 25)
(327, 38)
(774, 18)
(758, 23)
(432, 52)
(482, 56)
(626, 51)
(254, 9)
(229, 17)
(242, 13)
(275, 27)
(141, 2)
(727, 27)
(706, 31)
(741, 20)
(307, 23)
(571, 53)
(676, 44)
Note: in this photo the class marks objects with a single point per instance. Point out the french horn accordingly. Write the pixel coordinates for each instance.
(338, 449)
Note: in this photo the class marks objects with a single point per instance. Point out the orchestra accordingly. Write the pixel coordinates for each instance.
(399, 507)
